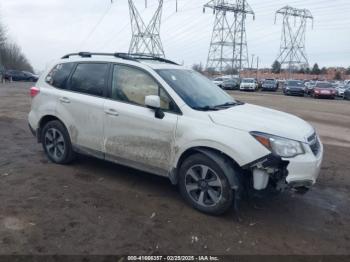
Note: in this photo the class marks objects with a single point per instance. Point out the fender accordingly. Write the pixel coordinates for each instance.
(226, 163)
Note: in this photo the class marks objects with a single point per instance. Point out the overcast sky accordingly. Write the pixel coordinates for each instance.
(48, 29)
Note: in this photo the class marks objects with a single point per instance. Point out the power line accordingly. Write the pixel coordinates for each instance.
(96, 26)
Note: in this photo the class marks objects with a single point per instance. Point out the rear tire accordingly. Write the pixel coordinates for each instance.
(56, 143)
(204, 186)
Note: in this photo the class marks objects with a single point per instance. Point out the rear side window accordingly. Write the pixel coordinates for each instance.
(90, 79)
(59, 75)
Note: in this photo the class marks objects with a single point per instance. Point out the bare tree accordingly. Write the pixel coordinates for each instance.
(198, 67)
(11, 55)
(13, 58)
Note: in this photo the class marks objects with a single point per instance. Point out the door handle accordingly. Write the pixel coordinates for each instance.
(64, 100)
(111, 112)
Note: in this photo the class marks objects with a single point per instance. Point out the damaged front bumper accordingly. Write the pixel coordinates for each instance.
(300, 172)
(303, 170)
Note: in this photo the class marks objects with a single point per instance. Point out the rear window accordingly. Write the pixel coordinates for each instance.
(59, 75)
(90, 79)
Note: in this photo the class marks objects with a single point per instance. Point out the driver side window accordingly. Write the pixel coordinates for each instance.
(132, 85)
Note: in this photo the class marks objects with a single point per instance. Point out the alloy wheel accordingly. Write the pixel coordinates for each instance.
(55, 144)
(203, 185)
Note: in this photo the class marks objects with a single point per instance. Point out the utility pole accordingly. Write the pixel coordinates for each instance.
(257, 68)
(146, 38)
(252, 63)
(292, 49)
(228, 47)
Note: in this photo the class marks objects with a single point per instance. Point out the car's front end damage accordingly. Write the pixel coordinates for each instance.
(282, 151)
(281, 173)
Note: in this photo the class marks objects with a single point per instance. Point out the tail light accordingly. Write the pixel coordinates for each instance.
(34, 91)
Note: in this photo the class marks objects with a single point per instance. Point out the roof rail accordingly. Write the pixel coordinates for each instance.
(126, 56)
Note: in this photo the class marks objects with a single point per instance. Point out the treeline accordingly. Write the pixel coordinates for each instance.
(11, 56)
(315, 70)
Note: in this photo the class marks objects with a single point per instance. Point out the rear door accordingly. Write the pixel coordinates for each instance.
(81, 106)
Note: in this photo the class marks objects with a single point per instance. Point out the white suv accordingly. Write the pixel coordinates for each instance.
(153, 115)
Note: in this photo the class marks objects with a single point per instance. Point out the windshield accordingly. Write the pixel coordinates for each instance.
(295, 83)
(248, 80)
(324, 85)
(196, 90)
(269, 81)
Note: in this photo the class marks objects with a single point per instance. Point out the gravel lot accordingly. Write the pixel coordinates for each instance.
(95, 207)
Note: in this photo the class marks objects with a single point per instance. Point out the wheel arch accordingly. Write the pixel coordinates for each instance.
(43, 121)
(228, 164)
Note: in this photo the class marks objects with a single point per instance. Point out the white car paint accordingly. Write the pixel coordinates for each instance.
(131, 135)
(251, 85)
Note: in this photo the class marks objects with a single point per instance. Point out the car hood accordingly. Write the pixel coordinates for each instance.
(249, 118)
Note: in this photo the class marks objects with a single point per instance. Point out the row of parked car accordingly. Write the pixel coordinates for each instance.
(316, 89)
(246, 84)
(17, 75)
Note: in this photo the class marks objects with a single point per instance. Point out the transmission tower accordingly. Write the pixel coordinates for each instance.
(228, 47)
(146, 39)
(292, 50)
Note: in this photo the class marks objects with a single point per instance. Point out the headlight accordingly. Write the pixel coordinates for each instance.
(280, 146)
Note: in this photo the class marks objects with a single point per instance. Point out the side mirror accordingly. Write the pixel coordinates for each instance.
(48, 79)
(153, 102)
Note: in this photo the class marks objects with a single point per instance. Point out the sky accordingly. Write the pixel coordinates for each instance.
(49, 29)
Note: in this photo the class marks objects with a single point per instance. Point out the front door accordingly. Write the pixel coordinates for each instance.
(133, 135)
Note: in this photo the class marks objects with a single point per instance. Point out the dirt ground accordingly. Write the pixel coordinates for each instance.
(96, 207)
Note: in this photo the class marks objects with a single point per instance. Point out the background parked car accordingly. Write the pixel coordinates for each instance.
(340, 89)
(218, 81)
(294, 87)
(347, 93)
(309, 86)
(325, 90)
(230, 84)
(16, 75)
(269, 85)
(248, 84)
(260, 82)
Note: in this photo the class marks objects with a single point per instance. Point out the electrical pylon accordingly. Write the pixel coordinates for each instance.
(292, 53)
(146, 39)
(228, 47)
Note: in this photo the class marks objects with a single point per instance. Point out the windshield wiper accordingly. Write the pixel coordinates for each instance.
(218, 107)
(205, 108)
(229, 104)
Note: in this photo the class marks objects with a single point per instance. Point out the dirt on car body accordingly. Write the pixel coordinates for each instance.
(96, 207)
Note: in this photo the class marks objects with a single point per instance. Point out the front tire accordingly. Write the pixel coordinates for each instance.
(204, 186)
(56, 143)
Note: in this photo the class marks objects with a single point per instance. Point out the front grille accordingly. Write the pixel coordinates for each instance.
(314, 144)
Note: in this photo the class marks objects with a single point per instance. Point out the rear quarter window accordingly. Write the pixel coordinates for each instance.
(58, 76)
